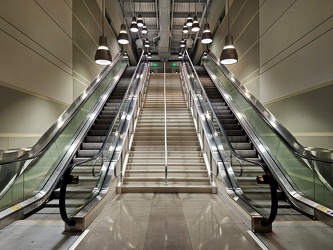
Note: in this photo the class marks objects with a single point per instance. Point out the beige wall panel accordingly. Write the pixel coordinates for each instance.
(87, 19)
(242, 14)
(78, 88)
(30, 44)
(247, 67)
(29, 71)
(254, 87)
(271, 11)
(60, 11)
(69, 3)
(82, 64)
(304, 41)
(300, 71)
(308, 115)
(39, 27)
(84, 41)
(315, 141)
(297, 21)
(24, 118)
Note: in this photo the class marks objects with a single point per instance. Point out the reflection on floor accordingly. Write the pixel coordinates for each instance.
(167, 221)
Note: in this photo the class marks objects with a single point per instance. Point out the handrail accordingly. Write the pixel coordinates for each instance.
(67, 176)
(165, 134)
(269, 118)
(8, 156)
(220, 125)
(272, 183)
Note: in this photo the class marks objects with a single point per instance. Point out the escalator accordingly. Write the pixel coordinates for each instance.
(257, 195)
(265, 166)
(92, 143)
(78, 141)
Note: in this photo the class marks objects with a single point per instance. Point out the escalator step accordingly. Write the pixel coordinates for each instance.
(91, 146)
(94, 138)
(86, 153)
(98, 132)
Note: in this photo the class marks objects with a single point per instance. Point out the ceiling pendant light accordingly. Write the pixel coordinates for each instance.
(147, 43)
(195, 26)
(149, 55)
(103, 55)
(144, 29)
(140, 21)
(185, 29)
(123, 36)
(134, 26)
(182, 43)
(125, 55)
(229, 54)
(206, 36)
(189, 21)
(180, 55)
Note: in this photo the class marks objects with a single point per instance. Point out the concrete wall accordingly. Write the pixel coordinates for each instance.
(47, 59)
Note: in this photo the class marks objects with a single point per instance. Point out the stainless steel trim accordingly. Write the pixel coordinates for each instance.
(165, 133)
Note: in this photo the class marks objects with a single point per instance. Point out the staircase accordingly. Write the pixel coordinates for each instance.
(146, 162)
(257, 195)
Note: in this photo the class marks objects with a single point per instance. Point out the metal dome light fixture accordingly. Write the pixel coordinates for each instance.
(103, 55)
(229, 54)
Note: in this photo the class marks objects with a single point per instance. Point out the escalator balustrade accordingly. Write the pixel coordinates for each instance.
(257, 194)
(85, 174)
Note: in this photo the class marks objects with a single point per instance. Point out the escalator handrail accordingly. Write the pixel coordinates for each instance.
(233, 151)
(66, 176)
(266, 221)
(268, 117)
(12, 155)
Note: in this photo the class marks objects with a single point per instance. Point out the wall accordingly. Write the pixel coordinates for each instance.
(47, 60)
(296, 67)
(286, 61)
(35, 68)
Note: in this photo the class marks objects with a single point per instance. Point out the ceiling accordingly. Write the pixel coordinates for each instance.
(164, 20)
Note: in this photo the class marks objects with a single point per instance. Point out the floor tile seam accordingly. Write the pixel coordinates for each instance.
(187, 227)
(150, 213)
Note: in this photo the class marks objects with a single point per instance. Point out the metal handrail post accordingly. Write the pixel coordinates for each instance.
(165, 133)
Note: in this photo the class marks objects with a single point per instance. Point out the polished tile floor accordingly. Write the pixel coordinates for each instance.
(163, 221)
(167, 221)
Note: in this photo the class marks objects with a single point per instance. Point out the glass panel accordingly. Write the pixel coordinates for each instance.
(31, 175)
(299, 171)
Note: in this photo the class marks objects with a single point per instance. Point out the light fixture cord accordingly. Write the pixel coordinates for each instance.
(228, 18)
(103, 17)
